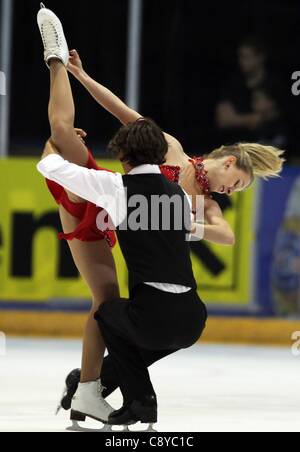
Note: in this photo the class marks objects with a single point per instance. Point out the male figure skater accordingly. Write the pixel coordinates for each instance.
(164, 311)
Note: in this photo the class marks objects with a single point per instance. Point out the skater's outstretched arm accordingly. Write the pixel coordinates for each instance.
(102, 95)
(113, 104)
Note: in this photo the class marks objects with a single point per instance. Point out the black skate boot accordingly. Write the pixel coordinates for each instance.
(72, 382)
(143, 410)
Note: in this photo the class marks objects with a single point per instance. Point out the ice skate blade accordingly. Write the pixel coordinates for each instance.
(151, 429)
(59, 407)
(75, 427)
(126, 429)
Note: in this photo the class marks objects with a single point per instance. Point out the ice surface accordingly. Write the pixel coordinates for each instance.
(208, 388)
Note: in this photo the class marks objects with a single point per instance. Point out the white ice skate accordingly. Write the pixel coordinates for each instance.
(88, 402)
(55, 44)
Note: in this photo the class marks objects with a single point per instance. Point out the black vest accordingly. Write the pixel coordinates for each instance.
(162, 253)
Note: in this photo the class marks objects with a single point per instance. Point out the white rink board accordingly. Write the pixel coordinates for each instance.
(204, 389)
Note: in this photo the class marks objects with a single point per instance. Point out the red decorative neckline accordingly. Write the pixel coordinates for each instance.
(201, 174)
(172, 172)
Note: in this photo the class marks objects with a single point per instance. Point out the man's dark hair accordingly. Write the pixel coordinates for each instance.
(141, 142)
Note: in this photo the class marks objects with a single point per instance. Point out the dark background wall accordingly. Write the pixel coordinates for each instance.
(189, 49)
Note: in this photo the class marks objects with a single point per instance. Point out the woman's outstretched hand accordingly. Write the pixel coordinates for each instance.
(75, 64)
(81, 135)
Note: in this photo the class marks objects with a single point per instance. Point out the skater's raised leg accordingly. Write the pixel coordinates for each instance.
(92, 259)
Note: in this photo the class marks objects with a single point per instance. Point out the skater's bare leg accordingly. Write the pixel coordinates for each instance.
(62, 116)
(91, 259)
(96, 265)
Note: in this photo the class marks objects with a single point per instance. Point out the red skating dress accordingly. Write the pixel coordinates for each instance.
(87, 213)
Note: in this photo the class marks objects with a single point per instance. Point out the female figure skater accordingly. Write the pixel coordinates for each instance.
(226, 170)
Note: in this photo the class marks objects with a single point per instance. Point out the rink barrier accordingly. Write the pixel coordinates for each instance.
(219, 329)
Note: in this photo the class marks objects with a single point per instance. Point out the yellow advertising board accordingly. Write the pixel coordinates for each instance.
(35, 266)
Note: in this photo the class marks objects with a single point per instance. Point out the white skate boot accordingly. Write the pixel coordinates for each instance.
(88, 402)
(55, 44)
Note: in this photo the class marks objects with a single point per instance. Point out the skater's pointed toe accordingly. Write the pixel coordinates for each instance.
(52, 33)
(71, 386)
(45, 14)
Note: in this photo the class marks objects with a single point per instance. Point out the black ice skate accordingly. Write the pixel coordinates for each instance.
(144, 411)
(72, 382)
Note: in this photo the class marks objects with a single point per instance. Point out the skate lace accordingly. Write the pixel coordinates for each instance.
(53, 39)
(100, 390)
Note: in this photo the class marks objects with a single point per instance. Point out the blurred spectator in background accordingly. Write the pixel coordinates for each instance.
(272, 128)
(249, 109)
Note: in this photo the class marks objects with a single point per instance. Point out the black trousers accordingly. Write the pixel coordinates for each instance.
(109, 377)
(142, 331)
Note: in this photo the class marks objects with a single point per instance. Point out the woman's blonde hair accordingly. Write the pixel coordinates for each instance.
(255, 159)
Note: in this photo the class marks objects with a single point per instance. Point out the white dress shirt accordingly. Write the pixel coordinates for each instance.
(103, 189)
